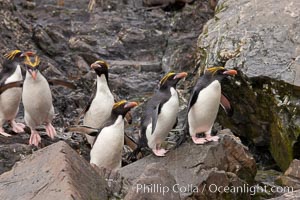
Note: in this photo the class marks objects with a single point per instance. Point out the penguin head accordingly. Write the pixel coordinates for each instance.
(218, 73)
(122, 107)
(14, 55)
(32, 65)
(100, 67)
(171, 79)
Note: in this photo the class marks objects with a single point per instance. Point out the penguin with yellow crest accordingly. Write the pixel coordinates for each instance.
(37, 101)
(11, 93)
(204, 103)
(160, 114)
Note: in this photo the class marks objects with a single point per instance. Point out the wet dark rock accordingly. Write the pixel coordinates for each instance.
(154, 183)
(11, 153)
(187, 162)
(291, 177)
(250, 37)
(55, 172)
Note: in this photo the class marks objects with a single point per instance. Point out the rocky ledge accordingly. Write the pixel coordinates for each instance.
(58, 171)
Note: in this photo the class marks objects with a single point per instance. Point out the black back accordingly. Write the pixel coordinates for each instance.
(9, 66)
(154, 105)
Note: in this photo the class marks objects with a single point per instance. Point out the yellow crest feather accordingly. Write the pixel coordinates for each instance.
(102, 62)
(11, 55)
(213, 70)
(163, 80)
(32, 64)
(117, 104)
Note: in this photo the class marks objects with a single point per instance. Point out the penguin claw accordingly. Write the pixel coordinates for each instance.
(212, 138)
(17, 127)
(3, 133)
(50, 130)
(197, 140)
(35, 138)
(160, 152)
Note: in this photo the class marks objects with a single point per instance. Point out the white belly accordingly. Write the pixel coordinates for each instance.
(101, 107)
(37, 100)
(99, 111)
(107, 150)
(165, 121)
(203, 113)
(11, 98)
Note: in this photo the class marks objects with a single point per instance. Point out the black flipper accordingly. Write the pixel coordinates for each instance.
(176, 123)
(10, 85)
(87, 107)
(130, 142)
(62, 83)
(83, 130)
(155, 114)
(225, 103)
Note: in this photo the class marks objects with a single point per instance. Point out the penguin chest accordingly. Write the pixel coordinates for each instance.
(165, 121)
(107, 149)
(37, 100)
(203, 113)
(100, 110)
(11, 98)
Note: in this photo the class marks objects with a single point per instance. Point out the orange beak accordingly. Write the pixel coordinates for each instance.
(230, 72)
(33, 74)
(180, 75)
(94, 65)
(131, 104)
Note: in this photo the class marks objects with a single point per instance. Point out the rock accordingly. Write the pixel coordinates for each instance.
(55, 172)
(250, 37)
(291, 176)
(11, 153)
(289, 196)
(230, 186)
(153, 183)
(188, 161)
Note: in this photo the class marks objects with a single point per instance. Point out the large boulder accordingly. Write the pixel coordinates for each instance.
(190, 163)
(55, 172)
(291, 176)
(261, 40)
(153, 183)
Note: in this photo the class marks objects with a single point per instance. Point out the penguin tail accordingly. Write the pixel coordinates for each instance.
(83, 130)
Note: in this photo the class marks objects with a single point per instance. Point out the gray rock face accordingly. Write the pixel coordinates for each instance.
(228, 183)
(261, 40)
(55, 172)
(190, 162)
(154, 183)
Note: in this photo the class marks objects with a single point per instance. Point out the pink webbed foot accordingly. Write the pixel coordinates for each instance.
(2, 132)
(35, 138)
(160, 152)
(197, 140)
(17, 127)
(50, 130)
(212, 138)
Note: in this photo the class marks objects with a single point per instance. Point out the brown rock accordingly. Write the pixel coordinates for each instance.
(230, 186)
(55, 172)
(155, 183)
(186, 162)
(291, 176)
(289, 196)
